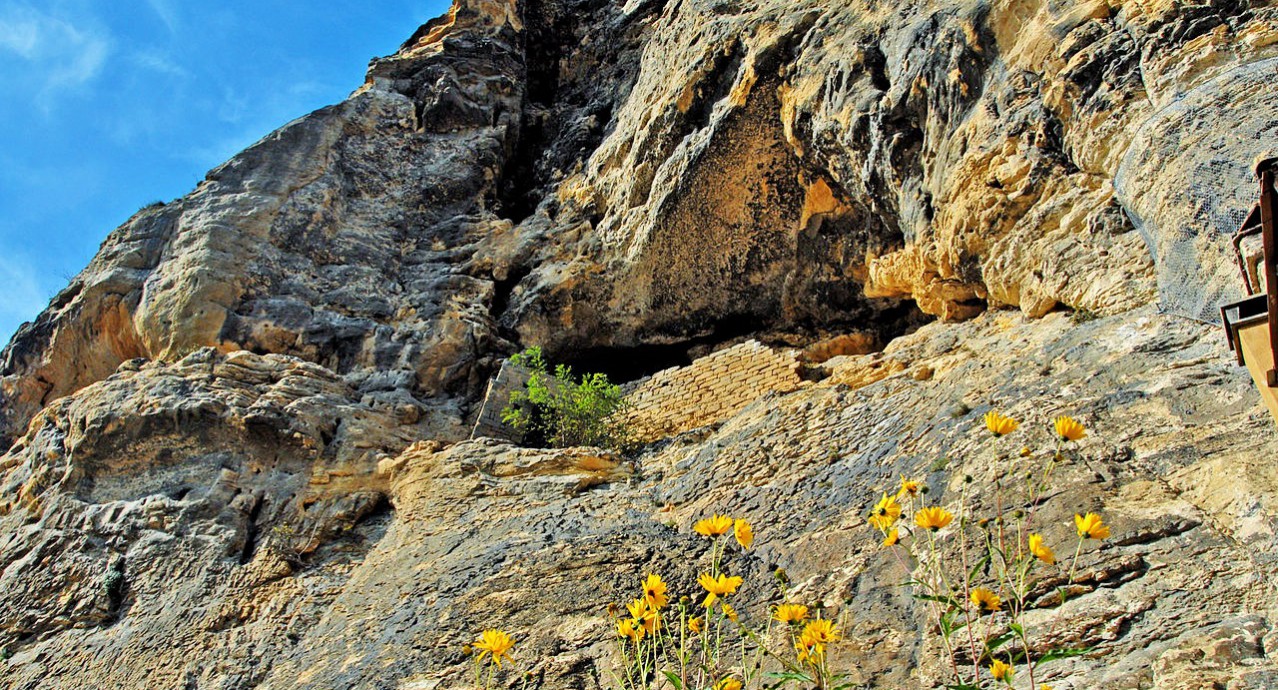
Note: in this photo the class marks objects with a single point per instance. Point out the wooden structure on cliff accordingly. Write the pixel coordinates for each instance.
(1252, 323)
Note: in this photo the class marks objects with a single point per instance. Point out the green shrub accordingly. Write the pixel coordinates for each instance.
(559, 410)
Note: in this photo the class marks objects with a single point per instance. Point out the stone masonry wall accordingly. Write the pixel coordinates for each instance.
(709, 390)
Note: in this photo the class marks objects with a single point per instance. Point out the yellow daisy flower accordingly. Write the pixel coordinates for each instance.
(1000, 425)
(644, 614)
(1068, 430)
(694, 624)
(909, 487)
(885, 512)
(933, 518)
(744, 533)
(628, 628)
(1091, 526)
(728, 683)
(1040, 550)
(821, 631)
(730, 612)
(986, 601)
(719, 586)
(892, 538)
(881, 522)
(809, 651)
(495, 643)
(791, 613)
(1001, 671)
(654, 591)
(713, 526)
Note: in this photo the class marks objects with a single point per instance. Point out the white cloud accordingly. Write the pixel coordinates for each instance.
(159, 63)
(20, 36)
(21, 297)
(62, 54)
(167, 13)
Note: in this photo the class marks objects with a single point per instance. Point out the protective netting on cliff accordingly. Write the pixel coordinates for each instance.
(1187, 183)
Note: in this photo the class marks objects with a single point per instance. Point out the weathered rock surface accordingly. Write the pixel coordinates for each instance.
(232, 442)
(250, 557)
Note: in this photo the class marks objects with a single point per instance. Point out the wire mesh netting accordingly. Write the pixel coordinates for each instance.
(1187, 184)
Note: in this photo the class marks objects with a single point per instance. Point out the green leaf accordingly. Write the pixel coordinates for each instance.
(948, 626)
(1016, 628)
(991, 645)
(792, 676)
(949, 601)
(1057, 654)
(674, 679)
(566, 410)
(983, 562)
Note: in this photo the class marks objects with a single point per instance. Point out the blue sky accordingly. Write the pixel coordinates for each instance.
(108, 106)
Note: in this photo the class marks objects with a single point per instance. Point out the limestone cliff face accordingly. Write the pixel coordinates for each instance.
(233, 442)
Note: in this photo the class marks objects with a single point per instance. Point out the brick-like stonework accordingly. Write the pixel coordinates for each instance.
(709, 390)
(673, 400)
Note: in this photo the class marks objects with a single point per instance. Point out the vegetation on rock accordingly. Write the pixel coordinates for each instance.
(560, 410)
(976, 575)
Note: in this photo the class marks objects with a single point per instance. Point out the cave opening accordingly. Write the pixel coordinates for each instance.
(627, 363)
(883, 321)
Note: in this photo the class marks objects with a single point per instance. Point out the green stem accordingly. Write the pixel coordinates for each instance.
(1078, 550)
(949, 593)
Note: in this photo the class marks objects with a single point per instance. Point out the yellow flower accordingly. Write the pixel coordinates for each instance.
(730, 612)
(654, 591)
(820, 631)
(650, 624)
(1002, 671)
(627, 627)
(811, 644)
(644, 614)
(495, 643)
(1041, 550)
(694, 624)
(892, 538)
(909, 487)
(720, 586)
(985, 600)
(1045, 686)
(713, 526)
(885, 512)
(1026, 452)
(1091, 526)
(1000, 425)
(809, 651)
(933, 518)
(728, 683)
(1068, 430)
(744, 533)
(791, 613)
(881, 522)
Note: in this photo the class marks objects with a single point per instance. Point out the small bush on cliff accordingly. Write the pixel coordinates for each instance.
(560, 410)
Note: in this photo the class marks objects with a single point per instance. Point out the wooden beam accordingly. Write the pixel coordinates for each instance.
(1259, 357)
